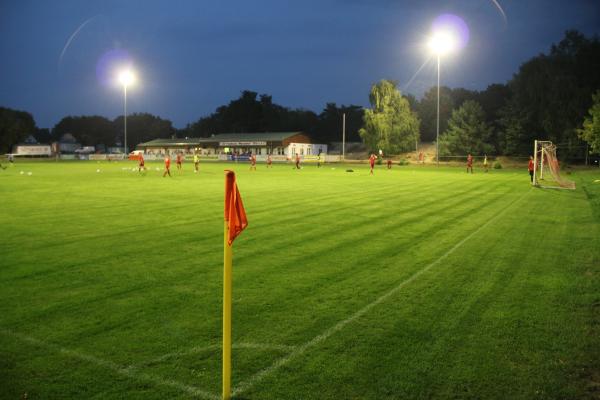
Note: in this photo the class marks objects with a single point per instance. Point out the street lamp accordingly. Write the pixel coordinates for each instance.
(126, 78)
(440, 43)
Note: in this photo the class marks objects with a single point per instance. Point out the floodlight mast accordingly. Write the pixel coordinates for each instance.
(440, 43)
(126, 78)
(437, 125)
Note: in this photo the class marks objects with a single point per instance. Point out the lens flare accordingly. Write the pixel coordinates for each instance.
(110, 64)
(448, 26)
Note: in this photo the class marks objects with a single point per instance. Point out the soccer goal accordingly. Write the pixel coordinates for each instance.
(546, 173)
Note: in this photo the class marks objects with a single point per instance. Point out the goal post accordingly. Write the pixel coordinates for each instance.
(545, 160)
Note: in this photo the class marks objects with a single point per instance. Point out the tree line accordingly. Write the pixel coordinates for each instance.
(548, 98)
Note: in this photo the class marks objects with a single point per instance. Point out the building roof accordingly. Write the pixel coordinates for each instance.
(223, 137)
(254, 137)
(176, 142)
(67, 138)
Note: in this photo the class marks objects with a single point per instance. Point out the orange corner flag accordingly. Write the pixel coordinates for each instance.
(235, 222)
(234, 208)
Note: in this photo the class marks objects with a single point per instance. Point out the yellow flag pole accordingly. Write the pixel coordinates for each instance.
(227, 272)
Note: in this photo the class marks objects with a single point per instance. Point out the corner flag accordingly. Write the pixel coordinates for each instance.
(234, 208)
(235, 223)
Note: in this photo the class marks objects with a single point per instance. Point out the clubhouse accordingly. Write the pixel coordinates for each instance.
(286, 144)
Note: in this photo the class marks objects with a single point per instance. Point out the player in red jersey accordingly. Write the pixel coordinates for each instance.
(372, 162)
(531, 167)
(167, 166)
(469, 163)
(297, 161)
(269, 161)
(179, 160)
(141, 163)
(252, 162)
(389, 163)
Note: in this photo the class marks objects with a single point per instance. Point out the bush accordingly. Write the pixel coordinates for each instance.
(403, 162)
(497, 165)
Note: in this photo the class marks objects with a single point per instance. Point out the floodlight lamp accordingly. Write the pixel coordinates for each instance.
(126, 78)
(442, 43)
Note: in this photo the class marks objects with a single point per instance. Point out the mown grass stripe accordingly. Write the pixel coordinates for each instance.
(244, 386)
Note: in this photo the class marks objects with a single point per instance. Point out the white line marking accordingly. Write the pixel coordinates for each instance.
(202, 349)
(263, 346)
(129, 372)
(242, 387)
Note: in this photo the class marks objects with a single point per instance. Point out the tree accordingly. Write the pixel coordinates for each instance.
(88, 130)
(143, 127)
(427, 112)
(329, 127)
(14, 127)
(390, 125)
(460, 95)
(492, 100)
(248, 114)
(591, 125)
(551, 94)
(467, 132)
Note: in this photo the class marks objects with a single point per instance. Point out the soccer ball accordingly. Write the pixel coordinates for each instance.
(97, 170)
(22, 172)
(29, 173)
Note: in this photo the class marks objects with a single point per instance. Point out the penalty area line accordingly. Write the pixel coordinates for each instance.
(212, 347)
(244, 386)
(129, 372)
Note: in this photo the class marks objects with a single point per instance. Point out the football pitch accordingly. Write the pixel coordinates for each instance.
(413, 283)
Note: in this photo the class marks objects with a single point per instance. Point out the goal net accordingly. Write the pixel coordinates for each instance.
(546, 173)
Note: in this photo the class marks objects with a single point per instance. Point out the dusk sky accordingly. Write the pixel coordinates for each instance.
(193, 56)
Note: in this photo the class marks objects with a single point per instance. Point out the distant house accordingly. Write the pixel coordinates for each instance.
(67, 144)
(115, 149)
(30, 140)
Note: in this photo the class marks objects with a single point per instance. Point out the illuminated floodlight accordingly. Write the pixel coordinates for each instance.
(450, 33)
(126, 77)
(442, 43)
(452, 26)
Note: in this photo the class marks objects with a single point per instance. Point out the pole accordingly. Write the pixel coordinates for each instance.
(534, 182)
(437, 129)
(586, 155)
(344, 137)
(125, 119)
(227, 288)
(542, 150)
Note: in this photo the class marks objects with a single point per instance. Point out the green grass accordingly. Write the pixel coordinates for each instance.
(413, 283)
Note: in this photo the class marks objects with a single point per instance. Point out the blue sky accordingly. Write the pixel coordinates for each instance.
(192, 56)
